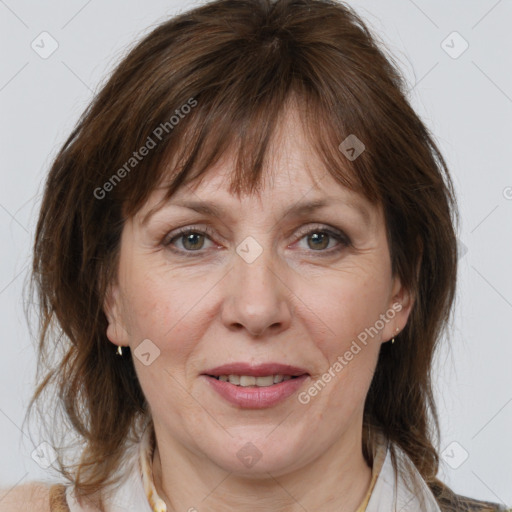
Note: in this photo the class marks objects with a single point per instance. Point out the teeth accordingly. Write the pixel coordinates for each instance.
(264, 381)
(248, 380)
(234, 379)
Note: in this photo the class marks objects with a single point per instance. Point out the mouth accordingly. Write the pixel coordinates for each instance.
(262, 375)
(247, 391)
(251, 381)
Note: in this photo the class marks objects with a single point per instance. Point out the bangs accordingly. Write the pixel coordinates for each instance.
(246, 128)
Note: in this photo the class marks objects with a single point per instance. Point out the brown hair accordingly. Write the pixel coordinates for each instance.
(212, 79)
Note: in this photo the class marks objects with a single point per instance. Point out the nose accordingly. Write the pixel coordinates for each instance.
(257, 298)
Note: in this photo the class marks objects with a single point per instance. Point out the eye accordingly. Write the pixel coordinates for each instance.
(318, 239)
(192, 240)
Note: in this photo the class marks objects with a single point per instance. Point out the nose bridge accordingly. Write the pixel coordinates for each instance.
(257, 298)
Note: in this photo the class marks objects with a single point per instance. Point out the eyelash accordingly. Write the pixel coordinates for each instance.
(180, 233)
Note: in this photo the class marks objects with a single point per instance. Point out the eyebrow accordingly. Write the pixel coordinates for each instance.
(296, 210)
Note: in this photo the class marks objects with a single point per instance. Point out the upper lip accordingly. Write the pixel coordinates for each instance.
(260, 370)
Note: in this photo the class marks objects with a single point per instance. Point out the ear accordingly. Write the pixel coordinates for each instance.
(398, 311)
(402, 300)
(116, 330)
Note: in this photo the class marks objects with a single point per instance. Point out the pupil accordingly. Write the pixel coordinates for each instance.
(316, 237)
(190, 237)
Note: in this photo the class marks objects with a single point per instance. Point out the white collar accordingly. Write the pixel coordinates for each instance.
(387, 496)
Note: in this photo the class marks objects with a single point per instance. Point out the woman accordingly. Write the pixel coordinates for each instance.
(248, 245)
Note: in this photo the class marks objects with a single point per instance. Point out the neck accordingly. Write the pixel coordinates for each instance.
(337, 480)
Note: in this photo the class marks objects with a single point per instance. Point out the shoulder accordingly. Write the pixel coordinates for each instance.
(32, 496)
(449, 501)
(470, 504)
(462, 503)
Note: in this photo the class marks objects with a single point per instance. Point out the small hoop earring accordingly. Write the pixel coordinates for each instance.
(393, 340)
(119, 351)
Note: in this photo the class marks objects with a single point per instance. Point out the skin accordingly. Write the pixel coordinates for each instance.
(291, 305)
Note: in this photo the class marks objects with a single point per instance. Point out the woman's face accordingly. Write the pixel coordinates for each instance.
(311, 289)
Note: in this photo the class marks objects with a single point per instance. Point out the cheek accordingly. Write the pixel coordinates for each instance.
(155, 303)
(170, 313)
(163, 312)
(346, 304)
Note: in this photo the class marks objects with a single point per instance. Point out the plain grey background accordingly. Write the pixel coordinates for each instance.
(464, 95)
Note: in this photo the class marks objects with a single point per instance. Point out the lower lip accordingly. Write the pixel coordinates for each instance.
(253, 397)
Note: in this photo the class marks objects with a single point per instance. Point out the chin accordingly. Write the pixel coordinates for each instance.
(255, 456)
